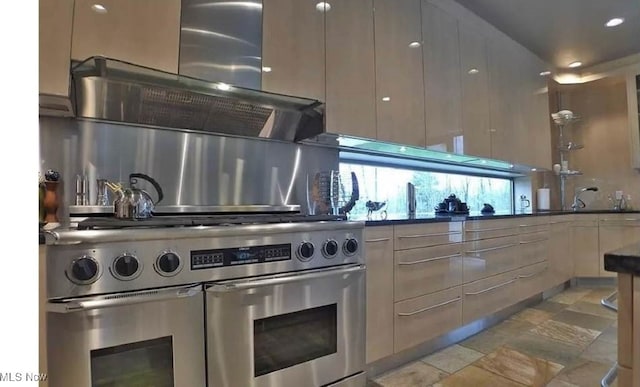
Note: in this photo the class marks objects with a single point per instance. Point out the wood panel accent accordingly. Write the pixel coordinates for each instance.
(143, 32)
(420, 319)
(294, 47)
(379, 260)
(625, 319)
(350, 71)
(635, 361)
(426, 270)
(54, 42)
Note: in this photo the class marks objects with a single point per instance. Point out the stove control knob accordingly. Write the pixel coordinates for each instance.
(305, 251)
(330, 248)
(168, 264)
(350, 246)
(83, 271)
(126, 267)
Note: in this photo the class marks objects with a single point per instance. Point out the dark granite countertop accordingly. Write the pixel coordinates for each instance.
(432, 218)
(624, 260)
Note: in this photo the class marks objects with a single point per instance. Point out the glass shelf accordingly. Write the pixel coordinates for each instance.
(570, 173)
(570, 147)
(565, 121)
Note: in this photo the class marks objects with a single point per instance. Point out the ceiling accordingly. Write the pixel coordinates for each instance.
(563, 31)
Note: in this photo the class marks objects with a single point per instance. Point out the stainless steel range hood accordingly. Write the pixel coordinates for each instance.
(113, 90)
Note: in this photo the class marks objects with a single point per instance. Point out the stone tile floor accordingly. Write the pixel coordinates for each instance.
(569, 340)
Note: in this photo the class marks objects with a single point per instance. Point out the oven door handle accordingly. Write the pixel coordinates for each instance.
(231, 286)
(71, 305)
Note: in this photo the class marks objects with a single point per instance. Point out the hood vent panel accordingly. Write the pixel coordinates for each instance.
(112, 90)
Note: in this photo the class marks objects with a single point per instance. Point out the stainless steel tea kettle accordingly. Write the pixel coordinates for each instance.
(133, 203)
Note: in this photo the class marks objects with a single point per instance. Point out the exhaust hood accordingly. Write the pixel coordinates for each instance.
(113, 90)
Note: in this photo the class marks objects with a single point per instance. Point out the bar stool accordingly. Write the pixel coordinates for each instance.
(610, 376)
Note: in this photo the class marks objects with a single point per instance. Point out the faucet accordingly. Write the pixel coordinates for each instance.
(577, 202)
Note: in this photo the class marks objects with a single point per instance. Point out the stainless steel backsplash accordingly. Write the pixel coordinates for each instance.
(192, 168)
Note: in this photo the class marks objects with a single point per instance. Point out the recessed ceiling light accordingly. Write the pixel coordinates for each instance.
(414, 44)
(575, 64)
(403, 149)
(511, 166)
(223, 86)
(266, 69)
(386, 99)
(323, 6)
(616, 21)
(534, 169)
(99, 8)
(545, 73)
(473, 71)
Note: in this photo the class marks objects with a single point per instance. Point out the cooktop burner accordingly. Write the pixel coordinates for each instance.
(202, 220)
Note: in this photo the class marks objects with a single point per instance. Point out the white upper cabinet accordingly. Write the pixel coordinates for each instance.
(351, 79)
(475, 93)
(443, 94)
(56, 17)
(399, 83)
(293, 48)
(142, 32)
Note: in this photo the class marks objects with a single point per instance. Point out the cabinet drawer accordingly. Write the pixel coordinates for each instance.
(424, 318)
(485, 258)
(560, 219)
(585, 220)
(425, 235)
(481, 298)
(532, 279)
(427, 270)
(483, 229)
(534, 247)
(620, 221)
(533, 228)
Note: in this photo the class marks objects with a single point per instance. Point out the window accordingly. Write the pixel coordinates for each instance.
(389, 184)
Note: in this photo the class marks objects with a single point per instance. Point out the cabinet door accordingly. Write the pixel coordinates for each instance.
(379, 248)
(633, 109)
(584, 247)
(475, 93)
(443, 93)
(56, 17)
(399, 82)
(535, 135)
(560, 259)
(350, 105)
(143, 32)
(293, 48)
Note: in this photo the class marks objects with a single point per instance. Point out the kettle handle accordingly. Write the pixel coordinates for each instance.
(154, 183)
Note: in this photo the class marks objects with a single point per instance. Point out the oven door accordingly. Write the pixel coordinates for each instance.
(147, 338)
(299, 329)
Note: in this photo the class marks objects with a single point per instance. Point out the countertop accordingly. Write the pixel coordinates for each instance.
(624, 260)
(432, 218)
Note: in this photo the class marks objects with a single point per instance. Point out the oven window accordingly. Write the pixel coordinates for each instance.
(293, 338)
(144, 363)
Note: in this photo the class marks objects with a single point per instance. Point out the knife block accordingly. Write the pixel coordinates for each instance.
(50, 201)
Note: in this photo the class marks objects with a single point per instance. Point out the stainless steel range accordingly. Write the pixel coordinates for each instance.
(223, 301)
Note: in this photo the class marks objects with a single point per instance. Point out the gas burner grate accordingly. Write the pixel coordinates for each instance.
(202, 220)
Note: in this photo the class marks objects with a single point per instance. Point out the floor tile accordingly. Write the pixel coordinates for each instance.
(565, 332)
(601, 351)
(550, 306)
(453, 358)
(519, 367)
(583, 320)
(570, 296)
(371, 383)
(609, 335)
(533, 316)
(512, 327)
(560, 383)
(416, 374)
(585, 373)
(594, 309)
(546, 348)
(476, 377)
(596, 295)
(485, 342)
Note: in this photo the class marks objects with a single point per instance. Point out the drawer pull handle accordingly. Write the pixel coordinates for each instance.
(532, 275)
(490, 229)
(491, 288)
(533, 225)
(428, 260)
(427, 235)
(429, 308)
(617, 220)
(376, 240)
(492, 248)
(533, 241)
